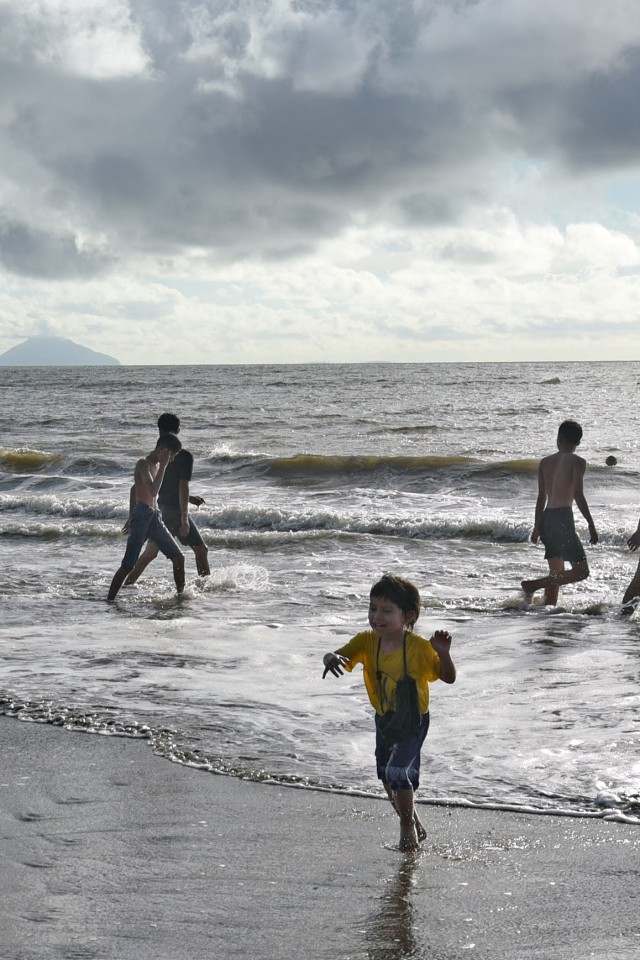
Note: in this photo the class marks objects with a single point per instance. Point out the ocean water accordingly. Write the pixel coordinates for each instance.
(316, 480)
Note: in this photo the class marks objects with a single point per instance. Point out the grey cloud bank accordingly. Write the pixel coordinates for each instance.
(154, 142)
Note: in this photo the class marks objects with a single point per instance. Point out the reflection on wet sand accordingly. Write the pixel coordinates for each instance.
(391, 934)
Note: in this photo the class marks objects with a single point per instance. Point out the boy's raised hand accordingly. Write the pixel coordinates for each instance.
(441, 641)
(333, 663)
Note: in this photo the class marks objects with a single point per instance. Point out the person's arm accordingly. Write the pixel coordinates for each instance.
(183, 500)
(634, 540)
(132, 503)
(441, 643)
(581, 500)
(541, 503)
(145, 476)
(333, 663)
(346, 656)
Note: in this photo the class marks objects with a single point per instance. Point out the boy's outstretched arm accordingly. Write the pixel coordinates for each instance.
(333, 663)
(441, 643)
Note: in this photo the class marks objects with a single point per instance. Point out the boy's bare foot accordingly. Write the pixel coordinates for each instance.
(408, 839)
(528, 588)
(420, 830)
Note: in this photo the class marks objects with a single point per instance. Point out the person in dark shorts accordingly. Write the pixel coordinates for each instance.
(389, 652)
(560, 482)
(558, 534)
(145, 520)
(173, 500)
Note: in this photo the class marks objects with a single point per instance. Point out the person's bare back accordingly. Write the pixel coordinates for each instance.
(562, 475)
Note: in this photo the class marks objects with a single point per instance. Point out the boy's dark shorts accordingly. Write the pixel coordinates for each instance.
(146, 524)
(398, 764)
(558, 533)
(171, 518)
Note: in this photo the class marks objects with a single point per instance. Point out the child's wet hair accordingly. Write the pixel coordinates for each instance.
(170, 441)
(571, 431)
(399, 591)
(168, 423)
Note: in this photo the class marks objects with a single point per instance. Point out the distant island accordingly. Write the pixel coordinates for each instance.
(54, 352)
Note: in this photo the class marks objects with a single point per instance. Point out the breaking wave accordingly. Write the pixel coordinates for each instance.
(24, 460)
(56, 517)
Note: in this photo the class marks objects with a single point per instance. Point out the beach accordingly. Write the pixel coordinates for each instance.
(179, 782)
(109, 851)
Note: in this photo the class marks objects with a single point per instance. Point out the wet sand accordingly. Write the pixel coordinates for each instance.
(110, 852)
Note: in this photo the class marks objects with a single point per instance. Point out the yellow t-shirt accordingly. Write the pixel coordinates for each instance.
(423, 663)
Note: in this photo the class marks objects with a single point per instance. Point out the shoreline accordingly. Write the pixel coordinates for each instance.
(132, 734)
(110, 852)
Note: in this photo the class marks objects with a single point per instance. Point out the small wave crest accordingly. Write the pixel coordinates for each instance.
(510, 466)
(56, 531)
(50, 505)
(272, 519)
(310, 467)
(94, 467)
(307, 465)
(83, 519)
(415, 429)
(24, 460)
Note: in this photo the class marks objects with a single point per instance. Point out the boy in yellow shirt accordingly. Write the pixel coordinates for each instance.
(389, 653)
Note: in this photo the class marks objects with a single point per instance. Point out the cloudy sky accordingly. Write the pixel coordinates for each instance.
(241, 181)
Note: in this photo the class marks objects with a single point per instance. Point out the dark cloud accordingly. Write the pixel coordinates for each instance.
(426, 209)
(255, 131)
(282, 170)
(601, 122)
(586, 121)
(35, 253)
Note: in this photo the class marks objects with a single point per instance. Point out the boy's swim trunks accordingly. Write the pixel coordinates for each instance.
(398, 765)
(558, 533)
(146, 524)
(171, 519)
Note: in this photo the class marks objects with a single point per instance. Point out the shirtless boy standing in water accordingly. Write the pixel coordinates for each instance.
(145, 522)
(173, 500)
(560, 479)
